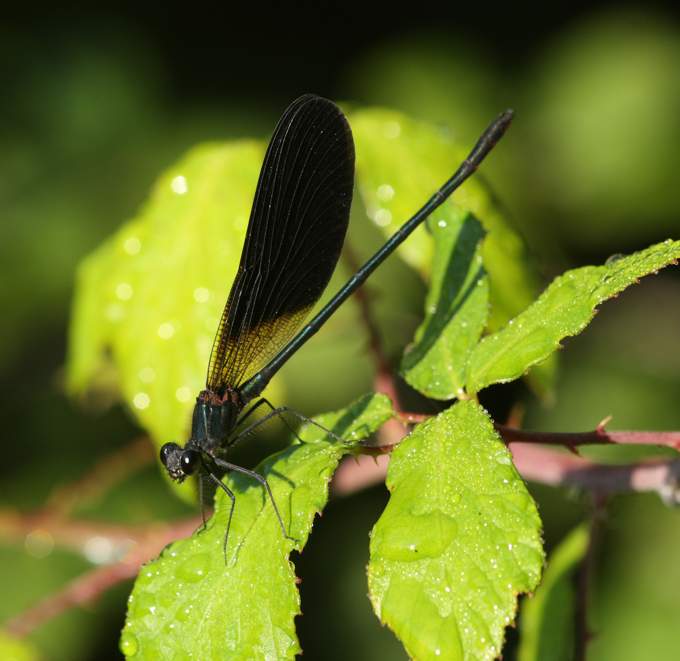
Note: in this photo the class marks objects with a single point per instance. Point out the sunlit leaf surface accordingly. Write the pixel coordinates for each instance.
(456, 308)
(459, 540)
(15, 649)
(564, 309)
(188, 604)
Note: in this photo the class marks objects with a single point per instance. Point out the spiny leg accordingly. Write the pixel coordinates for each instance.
(232, 497)
(252, 410)
(263, 481)
(280, 411)
(201, 499)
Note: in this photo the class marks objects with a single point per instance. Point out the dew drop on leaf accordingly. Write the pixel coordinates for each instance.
(128, 644)
(195, 568)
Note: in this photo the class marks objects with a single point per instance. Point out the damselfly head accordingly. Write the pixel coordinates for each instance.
(179, 463)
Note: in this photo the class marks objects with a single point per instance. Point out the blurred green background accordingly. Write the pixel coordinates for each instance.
(96, 103)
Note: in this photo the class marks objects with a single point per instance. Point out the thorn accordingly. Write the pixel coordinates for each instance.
(600, 429)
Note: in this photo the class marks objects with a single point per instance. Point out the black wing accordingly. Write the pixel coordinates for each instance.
(295, 234)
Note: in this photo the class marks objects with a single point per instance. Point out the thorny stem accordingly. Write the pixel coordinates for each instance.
(133, 545)
(90, 585)
(383, 380)
(582, 633)
(599, 436)
(102, 477)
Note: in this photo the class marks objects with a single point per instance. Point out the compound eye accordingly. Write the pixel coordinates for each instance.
(167, 451)
(189, 461)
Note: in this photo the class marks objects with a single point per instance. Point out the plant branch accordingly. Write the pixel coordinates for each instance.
(102, 476)
(582, 633)
(571, 440)
(599, 436)
(543, 465)
(384, 380)
(556, 468)
(90, 585)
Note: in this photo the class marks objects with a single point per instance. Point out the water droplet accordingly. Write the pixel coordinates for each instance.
(183, 394)
(201, 295)
(124, 291)
(385, 192)
(166, 330)
(147, 374)
(195, 568)
(141, 400)
(98, 550)
(441, 223)
(132, 245)
(392, 130)
(382, 217)
(419, 536)
(184, 613)
(179, 185)
(115, 312)
(128, 644)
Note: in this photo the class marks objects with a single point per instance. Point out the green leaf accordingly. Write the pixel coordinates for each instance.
(547, 620)
(565, 308)
(456, 308)
(14, 649)
(459, 540)
(187, 603)
(400, 164)
(153, 294)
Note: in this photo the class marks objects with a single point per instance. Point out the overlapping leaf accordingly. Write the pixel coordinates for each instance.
(548, 615)
(565, 308)
(400, 163)
(458, 541)
(188, 604)
(456, 308)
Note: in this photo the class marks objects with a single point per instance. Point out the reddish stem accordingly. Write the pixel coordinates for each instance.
(86, 588)
(582, 633)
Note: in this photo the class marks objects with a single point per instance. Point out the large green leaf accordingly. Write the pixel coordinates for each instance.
(188, 604)
(153, 293)
(400, 163)
(459, 540)
(456, 308)
(565, 308)
(547, 621)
